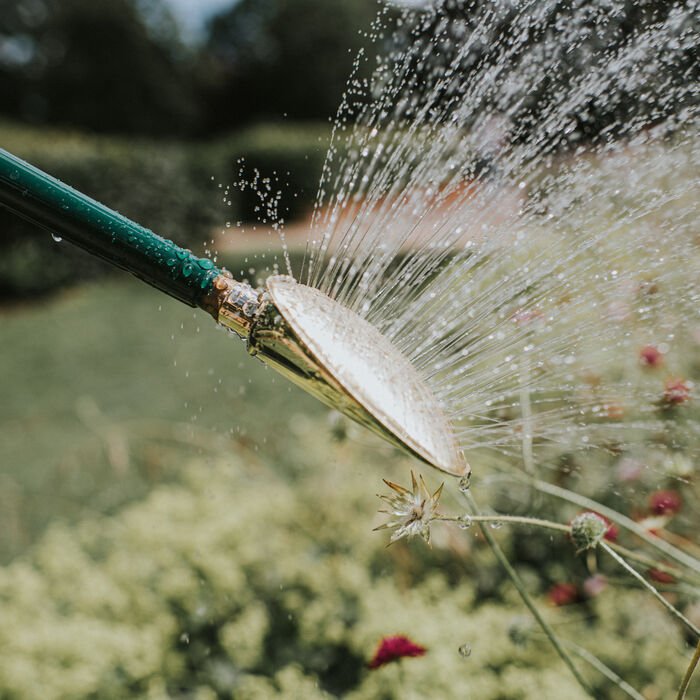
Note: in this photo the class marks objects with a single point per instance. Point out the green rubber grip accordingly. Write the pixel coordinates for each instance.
(49, 203)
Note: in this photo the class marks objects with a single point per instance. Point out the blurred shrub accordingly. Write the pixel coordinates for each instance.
(236, 584)
(170, 188)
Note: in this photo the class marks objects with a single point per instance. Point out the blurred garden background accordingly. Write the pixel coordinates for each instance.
(175, 522)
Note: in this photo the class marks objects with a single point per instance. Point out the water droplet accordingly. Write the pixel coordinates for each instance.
(465, 521)
(56, 237)
(465, 651)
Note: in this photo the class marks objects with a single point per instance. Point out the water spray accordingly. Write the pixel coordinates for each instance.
(317, 343)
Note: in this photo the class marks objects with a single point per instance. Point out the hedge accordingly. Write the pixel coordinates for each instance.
(238, 584)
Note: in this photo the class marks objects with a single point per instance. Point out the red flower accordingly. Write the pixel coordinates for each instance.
(393, 648)
(563, 593)
(660, 576)
(676, 391)
(665, 502)
(612, 532)
(651, 356)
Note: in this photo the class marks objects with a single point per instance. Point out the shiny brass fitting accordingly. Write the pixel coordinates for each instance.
(341, 359)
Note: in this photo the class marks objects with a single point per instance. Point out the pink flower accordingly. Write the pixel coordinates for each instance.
(393, 648)
(650, 356)
(594, 585)
(665, 502)
(563, 594)
(676, 391)
(523, 317)
(629, 469)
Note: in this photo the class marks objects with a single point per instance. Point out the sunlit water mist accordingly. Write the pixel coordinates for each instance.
(521, 258)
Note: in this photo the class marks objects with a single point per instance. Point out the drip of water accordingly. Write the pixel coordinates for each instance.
(521, 230)
(465, 651)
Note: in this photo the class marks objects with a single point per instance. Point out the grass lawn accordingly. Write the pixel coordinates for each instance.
(102, 383)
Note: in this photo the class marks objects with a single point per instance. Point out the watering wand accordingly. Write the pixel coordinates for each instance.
(317, 343)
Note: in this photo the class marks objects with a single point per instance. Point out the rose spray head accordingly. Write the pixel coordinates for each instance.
(344, 361)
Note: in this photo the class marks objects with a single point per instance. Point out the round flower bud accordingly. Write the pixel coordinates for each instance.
(587, 530)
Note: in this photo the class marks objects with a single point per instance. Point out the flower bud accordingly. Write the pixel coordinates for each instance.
(587, 530)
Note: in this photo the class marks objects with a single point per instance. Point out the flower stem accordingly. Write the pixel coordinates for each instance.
(526, 412)
(651, 562)
(561, 527)
(520, 587)
(632, 571)
(689, 673)
(515, 519)
(623, 521)
(604, 670)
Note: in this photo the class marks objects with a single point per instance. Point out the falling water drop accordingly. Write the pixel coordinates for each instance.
(465, 483)
(465, 651)
(56, 237)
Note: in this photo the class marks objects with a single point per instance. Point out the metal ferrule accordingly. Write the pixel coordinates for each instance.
(239, 304)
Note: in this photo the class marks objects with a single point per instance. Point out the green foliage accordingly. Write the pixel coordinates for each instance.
(107, 387)
(237, 583)
(113, 66)
(285, 57)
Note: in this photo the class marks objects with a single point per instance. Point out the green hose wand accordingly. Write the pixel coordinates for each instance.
(315, 342)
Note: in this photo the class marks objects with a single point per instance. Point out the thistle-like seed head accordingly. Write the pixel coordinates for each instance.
(587, 530)
(412, 511)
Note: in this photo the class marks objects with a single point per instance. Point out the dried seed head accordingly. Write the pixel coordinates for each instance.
(412, 511)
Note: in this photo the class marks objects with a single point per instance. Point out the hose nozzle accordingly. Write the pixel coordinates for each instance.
(344, 361)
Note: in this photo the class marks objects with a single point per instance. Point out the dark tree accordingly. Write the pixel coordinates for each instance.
(97, 65)
(284, 57)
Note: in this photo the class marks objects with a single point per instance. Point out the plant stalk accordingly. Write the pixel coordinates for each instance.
(520, 587)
